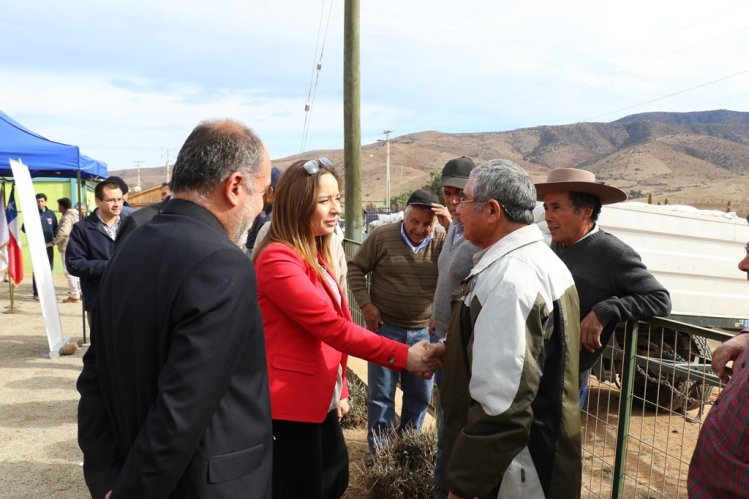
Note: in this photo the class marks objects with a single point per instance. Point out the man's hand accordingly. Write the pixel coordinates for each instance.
(108, 495)
(590, 332)
(431, 327)
(443, 215)
(730, 350)
(372, 317)
(418, 361)
(343, 408)
(434, 353)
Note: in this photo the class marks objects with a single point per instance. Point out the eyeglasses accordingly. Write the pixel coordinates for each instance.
(113, 201)
(464, 201)
(313, 166)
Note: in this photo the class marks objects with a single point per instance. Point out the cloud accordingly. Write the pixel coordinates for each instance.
(126, 80)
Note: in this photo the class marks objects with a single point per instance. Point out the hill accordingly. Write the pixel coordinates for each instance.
(697, 158)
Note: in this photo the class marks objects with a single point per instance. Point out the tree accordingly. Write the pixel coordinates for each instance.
(399, 202)
(433, 183)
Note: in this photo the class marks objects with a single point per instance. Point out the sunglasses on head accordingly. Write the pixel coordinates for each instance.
(313, 166)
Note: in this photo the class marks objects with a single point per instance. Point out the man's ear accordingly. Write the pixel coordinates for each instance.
(493, 206)
(588, 213)
(233, 187)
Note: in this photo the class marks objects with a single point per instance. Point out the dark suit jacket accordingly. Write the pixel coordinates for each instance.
(136, 219)
(87, 255)
(174, 387)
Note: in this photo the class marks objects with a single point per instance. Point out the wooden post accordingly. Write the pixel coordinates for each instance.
(352, 120)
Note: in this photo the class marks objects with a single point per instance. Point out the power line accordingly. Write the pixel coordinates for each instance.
(316, 68)
(627, 50)
(620, 71)
(547, 82)
(670, 95)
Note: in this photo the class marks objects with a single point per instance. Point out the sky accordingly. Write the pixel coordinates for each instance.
(127, 81)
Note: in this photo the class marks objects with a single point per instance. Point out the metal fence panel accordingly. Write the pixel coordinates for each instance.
(653, 425)
(638, 438)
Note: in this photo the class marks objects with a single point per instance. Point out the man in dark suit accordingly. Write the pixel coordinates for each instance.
(136, 219)
(174, 388)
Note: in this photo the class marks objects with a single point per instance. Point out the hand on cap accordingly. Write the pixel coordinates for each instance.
(443, 214)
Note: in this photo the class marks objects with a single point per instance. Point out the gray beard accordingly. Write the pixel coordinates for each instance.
(240, 225)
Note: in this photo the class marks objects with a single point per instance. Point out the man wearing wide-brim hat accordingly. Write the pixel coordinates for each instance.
(613, 283)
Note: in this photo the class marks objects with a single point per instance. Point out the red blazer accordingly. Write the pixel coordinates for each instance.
(308, 335)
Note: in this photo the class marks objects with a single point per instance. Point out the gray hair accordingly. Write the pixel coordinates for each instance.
(213, 151)
(508, 184)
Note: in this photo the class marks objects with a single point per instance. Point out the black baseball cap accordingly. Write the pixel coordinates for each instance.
(422, 197)
(456, 171)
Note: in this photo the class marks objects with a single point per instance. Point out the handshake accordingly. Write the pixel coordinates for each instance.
(424, 358)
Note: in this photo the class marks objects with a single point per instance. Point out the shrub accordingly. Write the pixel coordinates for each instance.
(404, 469)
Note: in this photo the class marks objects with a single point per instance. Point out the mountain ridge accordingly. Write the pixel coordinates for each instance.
(699, 158)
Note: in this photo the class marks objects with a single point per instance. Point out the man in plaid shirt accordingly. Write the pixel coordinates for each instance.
(720, 463)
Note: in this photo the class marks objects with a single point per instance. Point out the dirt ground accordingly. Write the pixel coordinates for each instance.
(39, 455)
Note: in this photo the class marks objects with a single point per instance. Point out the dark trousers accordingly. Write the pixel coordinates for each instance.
(310, 460)
(51, 257)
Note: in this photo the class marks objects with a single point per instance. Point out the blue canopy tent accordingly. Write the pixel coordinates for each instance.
(44, 157)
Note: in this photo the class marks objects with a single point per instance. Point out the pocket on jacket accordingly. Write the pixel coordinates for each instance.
(294, 364)
(235, 464)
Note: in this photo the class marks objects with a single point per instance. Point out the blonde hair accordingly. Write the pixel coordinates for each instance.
(294, 204)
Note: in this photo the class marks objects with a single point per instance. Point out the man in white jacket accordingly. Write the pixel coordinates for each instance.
(510, 386)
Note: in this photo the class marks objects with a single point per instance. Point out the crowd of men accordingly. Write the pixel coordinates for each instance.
(174, 396)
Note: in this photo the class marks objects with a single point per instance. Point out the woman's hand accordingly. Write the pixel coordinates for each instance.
(343, 408)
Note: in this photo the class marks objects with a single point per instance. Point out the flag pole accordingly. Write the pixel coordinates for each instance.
(12, 308)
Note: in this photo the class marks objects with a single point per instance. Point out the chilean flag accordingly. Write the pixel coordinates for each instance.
(15, 257)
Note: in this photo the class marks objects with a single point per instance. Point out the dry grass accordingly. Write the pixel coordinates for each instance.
(404, 468)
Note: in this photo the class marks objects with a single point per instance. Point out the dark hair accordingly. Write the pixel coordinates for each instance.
(41, 196)
(105, 184)
(121, 183)
(64, 202)
(213, 151)
(166, 184)
(581, 200)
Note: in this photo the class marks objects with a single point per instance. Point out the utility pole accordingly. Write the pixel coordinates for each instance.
(352, 119)
(387, 133)
(137, 165)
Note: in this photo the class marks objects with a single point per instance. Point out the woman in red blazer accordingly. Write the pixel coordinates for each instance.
(309, 335)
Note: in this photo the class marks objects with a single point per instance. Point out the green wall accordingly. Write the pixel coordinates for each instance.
(55, 189)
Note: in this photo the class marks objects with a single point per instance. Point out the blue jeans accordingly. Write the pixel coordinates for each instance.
(417, 392)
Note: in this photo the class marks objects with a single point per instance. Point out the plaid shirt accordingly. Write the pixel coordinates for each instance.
(720, 464)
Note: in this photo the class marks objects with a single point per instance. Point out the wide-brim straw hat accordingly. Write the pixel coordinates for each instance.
(573, 179)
